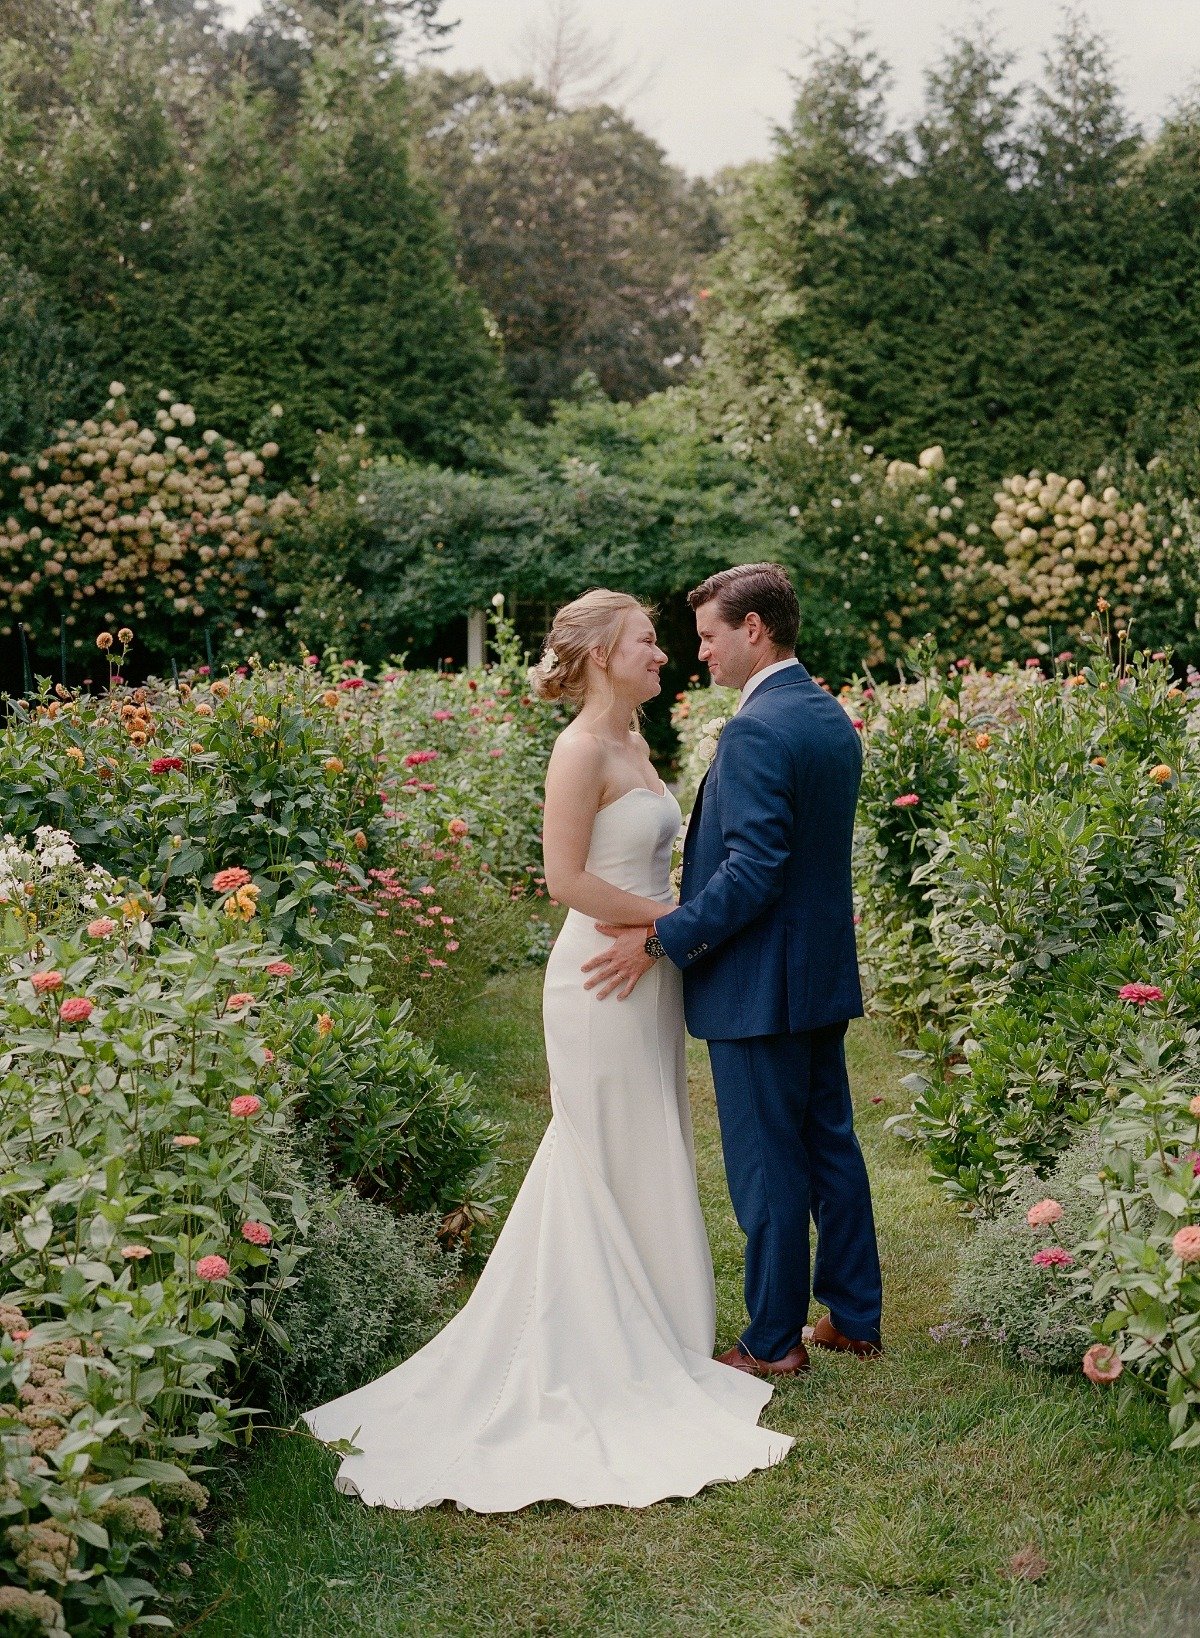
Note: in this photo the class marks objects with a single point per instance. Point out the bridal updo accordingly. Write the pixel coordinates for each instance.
(594, 620)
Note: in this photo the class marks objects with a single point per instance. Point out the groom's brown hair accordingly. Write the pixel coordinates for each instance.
(753, 588)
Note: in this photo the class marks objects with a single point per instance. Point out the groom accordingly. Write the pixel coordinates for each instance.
(764, 934)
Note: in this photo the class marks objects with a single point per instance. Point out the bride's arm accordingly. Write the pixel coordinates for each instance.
(574, 785)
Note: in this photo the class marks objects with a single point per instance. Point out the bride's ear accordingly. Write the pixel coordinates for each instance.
(600, 657)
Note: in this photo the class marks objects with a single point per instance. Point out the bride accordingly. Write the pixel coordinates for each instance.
(581, 1368)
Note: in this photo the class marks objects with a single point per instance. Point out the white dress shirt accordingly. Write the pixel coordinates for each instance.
(752, 683)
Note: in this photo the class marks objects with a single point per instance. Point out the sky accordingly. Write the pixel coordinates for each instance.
(714, 74)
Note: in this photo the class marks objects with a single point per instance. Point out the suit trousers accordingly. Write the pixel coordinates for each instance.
(787, 1132)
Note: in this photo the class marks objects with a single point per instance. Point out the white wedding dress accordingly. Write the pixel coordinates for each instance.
(581, 1368)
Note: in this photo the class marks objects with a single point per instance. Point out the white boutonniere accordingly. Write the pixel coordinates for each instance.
(706, 745)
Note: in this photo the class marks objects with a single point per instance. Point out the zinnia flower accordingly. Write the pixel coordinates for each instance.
(858, 723)
(1053, 1257)
(1194, 1106)
(44, 983)
(1102, 1363)
(280, 969)
(1161, 773)
(257, 1234)
(125, 636)
(982, 741)
(335, 765)
(225, 881)
(238, 1000)
(185, 1141)
(330, 696)
(458, 828)
(243, 1107)
(414, 759)
(1139, 994)
(101, 927)
(1186, 1244)
(104, 640)
(77, 1010)
(212, 1268)
(135, 1254)
(909, 801)
(268, 1055)
(166, 764)
(1043, 1213)
(324, 1023)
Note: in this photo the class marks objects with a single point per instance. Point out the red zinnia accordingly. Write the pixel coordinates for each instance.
(244, 1106)
(909, 801)
(226, 881)
(166, 764)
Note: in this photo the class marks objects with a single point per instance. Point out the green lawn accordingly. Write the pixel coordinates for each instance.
(912, 1484)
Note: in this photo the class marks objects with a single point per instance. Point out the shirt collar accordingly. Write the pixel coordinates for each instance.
(752, 683)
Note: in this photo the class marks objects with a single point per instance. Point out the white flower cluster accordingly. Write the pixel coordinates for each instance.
(706, 745)
(50, 862)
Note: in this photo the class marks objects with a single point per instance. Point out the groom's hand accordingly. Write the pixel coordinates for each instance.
(622, 964)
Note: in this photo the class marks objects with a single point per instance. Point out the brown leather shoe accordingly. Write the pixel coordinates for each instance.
(825, 1334)
(793, 1363)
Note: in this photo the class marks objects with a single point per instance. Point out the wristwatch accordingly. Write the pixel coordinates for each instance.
(653, 945)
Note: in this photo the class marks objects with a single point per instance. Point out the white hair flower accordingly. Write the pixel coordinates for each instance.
(549, 661)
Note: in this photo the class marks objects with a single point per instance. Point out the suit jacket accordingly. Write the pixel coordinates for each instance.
(765, 929)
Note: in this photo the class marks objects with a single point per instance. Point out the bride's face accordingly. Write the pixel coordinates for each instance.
(634, 664)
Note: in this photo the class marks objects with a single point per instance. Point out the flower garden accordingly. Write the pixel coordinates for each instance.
(234, 1178)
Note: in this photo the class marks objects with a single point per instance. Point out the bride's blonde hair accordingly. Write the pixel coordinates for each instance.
(594, 620)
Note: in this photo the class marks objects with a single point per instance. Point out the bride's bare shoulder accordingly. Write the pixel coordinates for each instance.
(577, 753)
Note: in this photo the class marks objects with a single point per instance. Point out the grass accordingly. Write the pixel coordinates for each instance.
(913, 1482)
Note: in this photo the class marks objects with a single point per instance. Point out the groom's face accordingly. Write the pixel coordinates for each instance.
(726, 650)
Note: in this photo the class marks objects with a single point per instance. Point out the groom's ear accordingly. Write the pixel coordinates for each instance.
(755, 629)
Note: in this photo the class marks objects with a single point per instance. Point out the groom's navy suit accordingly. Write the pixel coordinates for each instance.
(765, 937)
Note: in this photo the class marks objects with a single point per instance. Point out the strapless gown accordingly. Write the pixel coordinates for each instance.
(581, 1367)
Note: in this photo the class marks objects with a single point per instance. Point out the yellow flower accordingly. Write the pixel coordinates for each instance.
(243, 904)
(137, 738)
(104, 640)
(334, 764)
(196, 748)
(1161, 773)
(982, 741)
(133, 909)
(330, 697)
(360, 841)
(1194, 1106)
(76, 755)
(261, 725)
(324, 1023)
(125, 636)
(220, 690)
(204, 709)
(1099, 762)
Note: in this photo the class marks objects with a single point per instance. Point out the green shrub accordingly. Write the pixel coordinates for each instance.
(390, 1119)
(1043, 1316)
(1146, 1246)
(372, 1288)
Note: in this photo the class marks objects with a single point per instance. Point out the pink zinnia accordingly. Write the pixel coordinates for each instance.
(101, 927)
(858, 723)
(1030, 665)
(414, 759)
(1046, 1211)
(458, 827)
(1139, 994)
(226, 881)
(258, 1234)
(909, 801)
(244, 1106)
(280, 969)
(1102, 1363)
(166, 764)
(135, 1253)
(44, 983)
(1053, 1257)
(1192, 1159)
(238, 1000)
(1186, 1244)
(443, 716)
(185, 1141)
(212, 1268)
(76, 1011)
